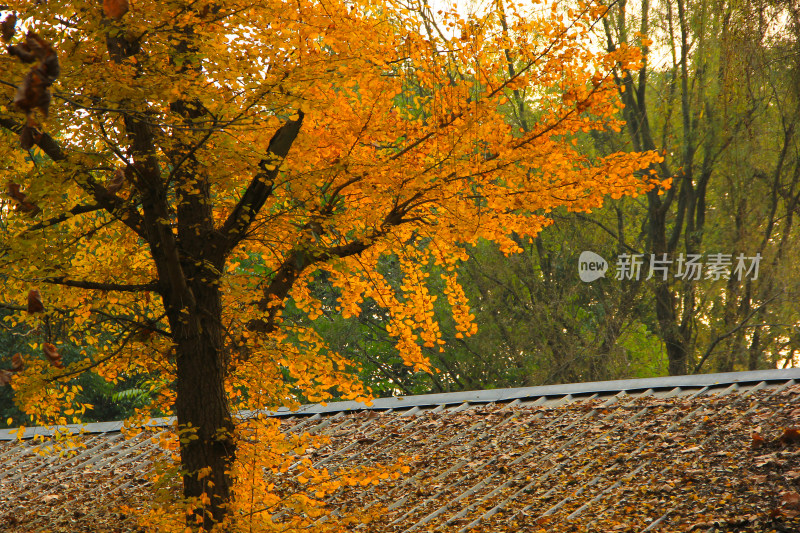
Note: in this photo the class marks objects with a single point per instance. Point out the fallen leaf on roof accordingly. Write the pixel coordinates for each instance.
(790, 504)
(790, 436)
(495, 468)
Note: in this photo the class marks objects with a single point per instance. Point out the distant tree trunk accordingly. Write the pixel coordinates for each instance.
(675, 304)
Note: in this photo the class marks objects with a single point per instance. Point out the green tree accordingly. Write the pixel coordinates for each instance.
(719, 78)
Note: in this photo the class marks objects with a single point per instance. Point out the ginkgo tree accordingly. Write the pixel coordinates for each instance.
(178, 171)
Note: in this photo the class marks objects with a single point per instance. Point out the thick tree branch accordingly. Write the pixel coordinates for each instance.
(102, 286)
(156, 219)
(303, 256)
(286, 276)
(235, 228)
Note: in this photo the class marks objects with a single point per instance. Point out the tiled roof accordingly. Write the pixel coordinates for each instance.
(664, 454)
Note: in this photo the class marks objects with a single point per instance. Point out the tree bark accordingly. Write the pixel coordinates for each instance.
(205, 424)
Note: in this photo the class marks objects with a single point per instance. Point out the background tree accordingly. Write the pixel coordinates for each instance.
(201, 162)
(721, 104)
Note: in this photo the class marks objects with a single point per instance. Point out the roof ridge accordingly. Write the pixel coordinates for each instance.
(464, 397)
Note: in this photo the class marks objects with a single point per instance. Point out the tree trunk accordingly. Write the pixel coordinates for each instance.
(675, 337)
(205, 424)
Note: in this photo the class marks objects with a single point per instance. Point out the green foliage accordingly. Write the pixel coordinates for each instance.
(537, 322)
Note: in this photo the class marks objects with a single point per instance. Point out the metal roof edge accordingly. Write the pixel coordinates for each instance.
(659, 383)
(457, 398)
(74, 429)
(507, 395)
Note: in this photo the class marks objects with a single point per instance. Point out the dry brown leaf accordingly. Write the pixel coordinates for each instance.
(17, 363)
(115, 9)
(791, 499)
(790, 504)
(117, 182)
(51, 352)
(34, 91)
(26, 138)
(790, 436)
(763, 460)
(143, 335)
(792, 474)
(9, 26)
(14, 190)
(35, 304)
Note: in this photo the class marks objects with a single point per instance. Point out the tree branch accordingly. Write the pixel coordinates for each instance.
(301, 257)
(239, 221)
(100, 286)
(113, 204)
(77, 210)
(720, 338)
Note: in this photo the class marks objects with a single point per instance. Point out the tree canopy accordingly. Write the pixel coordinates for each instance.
(177, 172)
(718, 96)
